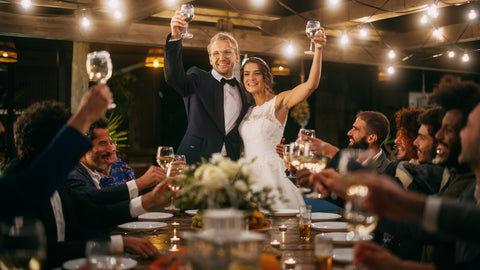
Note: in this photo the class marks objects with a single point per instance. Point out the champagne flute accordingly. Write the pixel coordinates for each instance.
(99, 69)
(311, 29)
(164, 156)
(174, 172)
(188, 11)
(23, 244)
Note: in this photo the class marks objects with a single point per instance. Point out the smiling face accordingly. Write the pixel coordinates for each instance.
(223, 57)
(253, 78)
(103, 152)
(400, 142)
(448, 137)
(425, 144)
(358, 135)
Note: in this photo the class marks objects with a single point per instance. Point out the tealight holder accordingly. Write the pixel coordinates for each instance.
(282, 228)
(290, 263)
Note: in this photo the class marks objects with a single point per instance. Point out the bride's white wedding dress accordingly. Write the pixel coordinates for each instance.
(261, 132)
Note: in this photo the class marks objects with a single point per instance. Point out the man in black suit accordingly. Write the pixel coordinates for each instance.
(215, 101)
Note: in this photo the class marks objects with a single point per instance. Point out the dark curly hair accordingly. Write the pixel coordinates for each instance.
(463, 96)
(432, 118)
(37, 126)
(101, 122)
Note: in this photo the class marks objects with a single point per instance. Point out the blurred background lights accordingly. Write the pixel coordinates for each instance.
(344, 39)
(451, 54)
(465, 57)
(289, 49)
(258, 3)
(391, 54)
(363, 32)
(26, 4)
(437, 33)
(332, 3)
(432, 11)
(423, 19)
(85, 22)
(472, 15)
(390, 70)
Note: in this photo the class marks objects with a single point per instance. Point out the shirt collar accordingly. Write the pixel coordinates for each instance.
(94, 175)
(219, 77)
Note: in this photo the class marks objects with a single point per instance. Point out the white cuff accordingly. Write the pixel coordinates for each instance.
(136, 207)
(171, 39)
(117, 244)
(430, 213)
(132, 189)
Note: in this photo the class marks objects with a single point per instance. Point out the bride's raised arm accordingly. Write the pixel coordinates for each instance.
(288, 99)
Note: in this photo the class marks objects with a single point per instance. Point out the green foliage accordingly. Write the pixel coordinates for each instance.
(121, 136)
(123, 88)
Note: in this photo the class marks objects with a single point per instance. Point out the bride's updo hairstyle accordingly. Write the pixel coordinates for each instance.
(264, 69)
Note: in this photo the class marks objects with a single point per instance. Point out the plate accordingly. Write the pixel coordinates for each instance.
(330, 226)
(127, 263)
(285, 212)
(342, 238)
(142, 226)
(192, 212)
(319, 216)
(155, 216)
(343, 255)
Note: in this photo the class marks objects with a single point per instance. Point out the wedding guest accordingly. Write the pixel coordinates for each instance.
(33, 129)
(407, 130)
(215, 101)
(19, 192)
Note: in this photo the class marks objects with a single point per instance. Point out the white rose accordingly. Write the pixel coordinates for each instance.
(213, 177)
(199, 172)
(216, 158)
(229, 167)
(240, 186)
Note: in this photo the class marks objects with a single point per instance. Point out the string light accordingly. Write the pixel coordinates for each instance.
(113, 4)
(390, 70)
(258, 3)
(391, 54)
(332, 3)
(451, 54)
(423, 19)
(437, 33)
(465, 57)
(363, 32)
(85, 22)
(472, 15)
(26, 4)
(432, 11)
(289, 49)
(117, 14)
(344, 39)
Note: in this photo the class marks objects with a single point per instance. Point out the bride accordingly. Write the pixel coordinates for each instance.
(262, 127)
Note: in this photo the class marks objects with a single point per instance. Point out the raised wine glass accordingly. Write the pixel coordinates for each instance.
(99, 69)
(174, 172)
(188, 11)
(311, 29)
(23, 244)
(165, 156)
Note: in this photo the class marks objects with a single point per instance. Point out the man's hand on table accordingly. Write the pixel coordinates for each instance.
(139, 246)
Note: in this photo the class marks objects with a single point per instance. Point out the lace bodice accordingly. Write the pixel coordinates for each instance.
(261, 131)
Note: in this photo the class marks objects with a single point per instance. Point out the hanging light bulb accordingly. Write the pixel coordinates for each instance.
(451, 54)
(344, 39)
(392, 54)
(423, 19)
(465, 57)
(258, 3)
(390, 70)
(85, 22)
(289, 49)
(363, 32)
(437, 33)
(432, 11)
(26, 4)
(117, 14)
(113, 4)
(333, 3)
(472, 15)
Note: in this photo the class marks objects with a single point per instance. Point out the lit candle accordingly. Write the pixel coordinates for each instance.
(174, 248)
(174, 239)
(282, 228)
(274, 243)
(175, 223)
(290, 263)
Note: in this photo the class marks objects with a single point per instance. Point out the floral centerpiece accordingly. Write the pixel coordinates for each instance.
(223, 183)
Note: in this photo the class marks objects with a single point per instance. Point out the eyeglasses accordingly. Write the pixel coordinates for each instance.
(225, 53)
(105, 144)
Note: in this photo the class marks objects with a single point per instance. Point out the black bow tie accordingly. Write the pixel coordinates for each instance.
(232, 82)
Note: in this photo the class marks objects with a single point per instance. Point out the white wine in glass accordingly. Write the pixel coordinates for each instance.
(311, 29)
(165, 156)
(188, 11)
(99, 69)
(360, 222)
(174, 172)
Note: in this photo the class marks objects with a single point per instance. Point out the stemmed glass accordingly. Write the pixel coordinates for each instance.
(22, 244)
(101, 255)
(360, 222)
(165, 156)
(308, 132)
(99, 69)
(188, 11)
(174, 172)
(311, 29)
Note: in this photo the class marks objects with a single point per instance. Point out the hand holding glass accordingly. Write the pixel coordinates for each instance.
(99, 69)
(311, 29)
(188, 11)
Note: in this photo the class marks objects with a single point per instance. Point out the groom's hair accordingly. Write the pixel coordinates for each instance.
(223, 36)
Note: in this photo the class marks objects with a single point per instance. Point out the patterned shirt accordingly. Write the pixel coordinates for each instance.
(119, 174)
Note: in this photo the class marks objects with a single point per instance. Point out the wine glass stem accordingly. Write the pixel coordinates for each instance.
(311, 46)
(186, 28)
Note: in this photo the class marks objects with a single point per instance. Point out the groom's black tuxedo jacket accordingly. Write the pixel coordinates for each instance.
(203, 98)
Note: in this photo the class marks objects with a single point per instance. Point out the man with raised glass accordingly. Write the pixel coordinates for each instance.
(215, 101)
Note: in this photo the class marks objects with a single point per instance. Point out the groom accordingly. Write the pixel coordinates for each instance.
(215, 101)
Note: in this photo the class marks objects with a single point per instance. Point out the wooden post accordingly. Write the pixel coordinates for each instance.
(79, 74)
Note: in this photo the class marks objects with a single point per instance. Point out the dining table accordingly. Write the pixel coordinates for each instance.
(281, 239)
